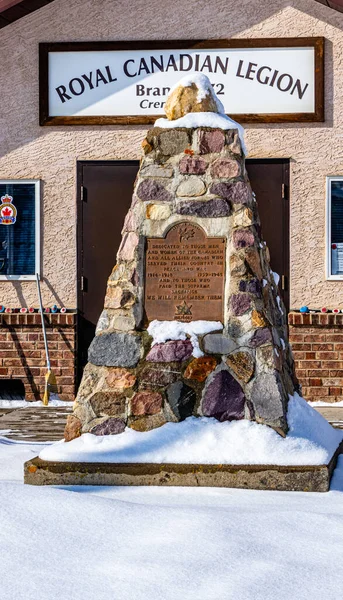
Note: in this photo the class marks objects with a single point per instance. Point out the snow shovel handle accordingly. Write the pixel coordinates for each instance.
(43, 324)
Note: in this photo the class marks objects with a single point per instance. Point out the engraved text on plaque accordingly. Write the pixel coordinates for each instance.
(184, 275)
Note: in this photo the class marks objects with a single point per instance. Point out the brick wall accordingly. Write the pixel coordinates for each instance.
(317, 342)
(22, 354)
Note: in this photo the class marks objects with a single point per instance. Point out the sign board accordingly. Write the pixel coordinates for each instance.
(259, 80)
(184, 275)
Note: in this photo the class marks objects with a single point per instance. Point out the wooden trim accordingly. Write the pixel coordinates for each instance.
(21, 9)
(44, 48)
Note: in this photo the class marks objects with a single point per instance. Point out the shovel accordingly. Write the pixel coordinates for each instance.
(50, 379)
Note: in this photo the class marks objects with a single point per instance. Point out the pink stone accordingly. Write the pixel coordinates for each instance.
(192, 165)
(243, 238)
(175, 350)
(146, 403)
(240, 304)
(225, 167)
(128, 246)
(211, 141)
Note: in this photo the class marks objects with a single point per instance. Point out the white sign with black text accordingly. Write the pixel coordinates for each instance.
(273, 80)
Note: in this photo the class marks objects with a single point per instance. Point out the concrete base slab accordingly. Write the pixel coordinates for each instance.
(257, 477)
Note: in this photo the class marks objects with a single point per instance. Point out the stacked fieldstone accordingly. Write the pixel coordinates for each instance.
(196, 176)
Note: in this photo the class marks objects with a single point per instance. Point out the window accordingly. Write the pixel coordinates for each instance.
(19, 229)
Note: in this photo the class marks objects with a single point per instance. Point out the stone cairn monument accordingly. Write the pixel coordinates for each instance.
(192, 321)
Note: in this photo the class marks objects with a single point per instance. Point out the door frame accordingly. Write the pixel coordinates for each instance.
(285, 195)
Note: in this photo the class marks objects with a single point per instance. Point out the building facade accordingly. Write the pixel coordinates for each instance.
(86, 172)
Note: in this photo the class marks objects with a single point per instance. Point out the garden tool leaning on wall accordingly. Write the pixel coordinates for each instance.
(50, 379)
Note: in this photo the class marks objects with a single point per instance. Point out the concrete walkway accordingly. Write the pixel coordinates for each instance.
(46, 424)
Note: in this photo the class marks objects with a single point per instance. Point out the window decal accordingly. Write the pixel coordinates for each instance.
(8, 212)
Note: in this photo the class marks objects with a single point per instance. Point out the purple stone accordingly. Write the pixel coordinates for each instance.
(260, 337)
(176, 350)
(237, 193)
(252, 286)
(243, 238)
(217, 207)
(211, 141)
(109, 427)
(224, 398)
(193, 165)
(240, 304)
(152, 190)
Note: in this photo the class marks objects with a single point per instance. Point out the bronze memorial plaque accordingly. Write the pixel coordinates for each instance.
(184, 275)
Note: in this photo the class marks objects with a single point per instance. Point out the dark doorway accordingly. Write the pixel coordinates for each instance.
(104, 197)
(270, 181)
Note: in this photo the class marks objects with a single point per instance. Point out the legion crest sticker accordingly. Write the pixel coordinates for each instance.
(8, 212)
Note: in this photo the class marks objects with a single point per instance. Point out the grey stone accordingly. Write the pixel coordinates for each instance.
(192, 186)
(159, 375)
(151, 190)
(108, 404)
(156, 171)
(217, 343)
(173, 142)
(181, 400)
(217, 207)
(115, 350)
(269, 401)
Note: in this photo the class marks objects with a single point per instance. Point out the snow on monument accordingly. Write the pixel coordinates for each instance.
(192, 321)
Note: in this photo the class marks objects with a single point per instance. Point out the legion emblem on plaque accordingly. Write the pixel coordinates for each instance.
(8, 212)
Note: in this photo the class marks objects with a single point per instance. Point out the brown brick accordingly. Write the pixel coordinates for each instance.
(332, 364)
(315, 381)
(317, 338)
(336, 373)
(335, 391)
(319, 373)
(299, 355)
(323, 347)
(318, 391)
(3, 371)
(310, 364)
(301, 347)
(296, 337)
(33, 337)
(327, 355)
(334, 337)
(310, 356)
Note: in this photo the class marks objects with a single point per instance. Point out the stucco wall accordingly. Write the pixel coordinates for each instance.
(30, 151)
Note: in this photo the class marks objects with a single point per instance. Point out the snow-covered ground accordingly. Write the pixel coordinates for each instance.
(106, 543)
(99, 543)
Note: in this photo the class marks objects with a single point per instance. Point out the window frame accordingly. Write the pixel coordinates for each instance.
(37, 184)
